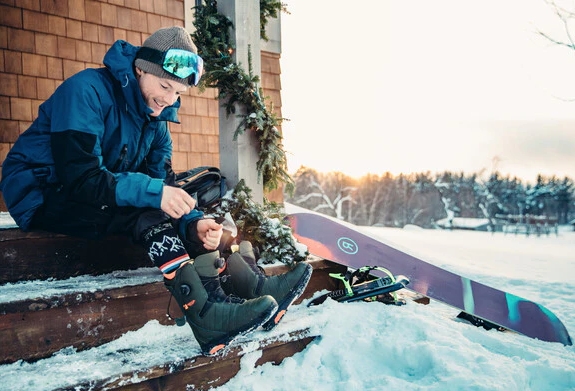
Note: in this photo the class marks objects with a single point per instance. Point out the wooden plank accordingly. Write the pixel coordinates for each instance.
(35, 329)
(42, 255)
(201, 372)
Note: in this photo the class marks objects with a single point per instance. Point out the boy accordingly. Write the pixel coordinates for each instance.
(96, 161)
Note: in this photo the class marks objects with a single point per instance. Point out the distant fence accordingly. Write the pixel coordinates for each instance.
(528, 224)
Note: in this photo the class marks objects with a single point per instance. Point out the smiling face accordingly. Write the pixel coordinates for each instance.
(159, 93)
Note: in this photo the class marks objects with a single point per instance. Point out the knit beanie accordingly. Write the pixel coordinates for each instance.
(164, 39)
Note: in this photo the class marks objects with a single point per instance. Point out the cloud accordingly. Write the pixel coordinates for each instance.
(532, 147)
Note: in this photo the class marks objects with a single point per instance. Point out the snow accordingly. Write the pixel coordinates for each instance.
(23, 290)
(371, 346)
(6, 221)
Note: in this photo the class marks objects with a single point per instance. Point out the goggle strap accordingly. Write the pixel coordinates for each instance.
(150, 54)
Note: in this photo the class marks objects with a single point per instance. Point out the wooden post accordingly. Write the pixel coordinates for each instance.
(238, 158)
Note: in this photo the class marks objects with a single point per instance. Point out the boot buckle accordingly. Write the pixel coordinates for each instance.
(220, 264)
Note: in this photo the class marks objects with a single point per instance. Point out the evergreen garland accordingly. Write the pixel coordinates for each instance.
(263, 226)
(269, 9)
(236, 87)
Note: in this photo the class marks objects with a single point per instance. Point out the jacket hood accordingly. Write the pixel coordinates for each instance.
(119, 60)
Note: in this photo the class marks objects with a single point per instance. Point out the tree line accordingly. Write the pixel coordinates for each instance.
(424, 198)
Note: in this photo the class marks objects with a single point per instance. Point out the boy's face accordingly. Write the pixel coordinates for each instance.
(157, 92)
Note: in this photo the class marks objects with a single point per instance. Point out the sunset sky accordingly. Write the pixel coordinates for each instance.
(414, 86)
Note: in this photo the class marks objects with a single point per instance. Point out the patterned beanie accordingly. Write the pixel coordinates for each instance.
(164, 39)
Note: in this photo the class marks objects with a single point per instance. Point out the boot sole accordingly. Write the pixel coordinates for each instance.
(219, 346)
(289, 299)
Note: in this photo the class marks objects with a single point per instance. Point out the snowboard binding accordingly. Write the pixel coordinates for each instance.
(362, 285)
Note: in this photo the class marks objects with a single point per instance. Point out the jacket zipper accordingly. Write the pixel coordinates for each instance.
(140, 142)
(123, 154)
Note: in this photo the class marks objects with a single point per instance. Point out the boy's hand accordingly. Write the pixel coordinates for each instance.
(210, 233)
(176, 202)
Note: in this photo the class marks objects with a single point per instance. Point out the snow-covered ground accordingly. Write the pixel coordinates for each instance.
(371, 346)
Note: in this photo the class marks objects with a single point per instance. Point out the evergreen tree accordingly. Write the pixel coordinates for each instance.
(422, 199)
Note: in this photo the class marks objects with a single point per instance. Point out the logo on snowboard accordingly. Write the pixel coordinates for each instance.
(347, 245)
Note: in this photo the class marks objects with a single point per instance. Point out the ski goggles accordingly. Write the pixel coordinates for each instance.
(178, 62)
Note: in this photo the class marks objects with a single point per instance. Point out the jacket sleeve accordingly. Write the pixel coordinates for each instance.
(77, 130)
(78, 169)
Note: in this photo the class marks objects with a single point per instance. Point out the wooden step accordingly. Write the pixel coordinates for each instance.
(35, 328)
(41, 255)
(201, 372)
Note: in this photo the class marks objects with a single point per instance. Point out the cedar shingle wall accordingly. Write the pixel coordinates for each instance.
(43, 42)
(271, 83)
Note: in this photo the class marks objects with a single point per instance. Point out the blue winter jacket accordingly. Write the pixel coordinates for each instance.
(93, 138)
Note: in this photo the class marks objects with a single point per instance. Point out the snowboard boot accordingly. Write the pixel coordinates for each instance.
(215, 318)
(248, 281)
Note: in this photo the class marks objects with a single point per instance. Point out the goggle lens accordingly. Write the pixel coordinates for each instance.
(183, 64)
(178, 62)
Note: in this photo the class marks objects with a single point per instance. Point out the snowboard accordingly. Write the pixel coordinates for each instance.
(340, 243)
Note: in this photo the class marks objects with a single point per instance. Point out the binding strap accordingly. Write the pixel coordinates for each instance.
(358, 276)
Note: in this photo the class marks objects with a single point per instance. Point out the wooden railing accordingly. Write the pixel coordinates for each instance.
(528, 224)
